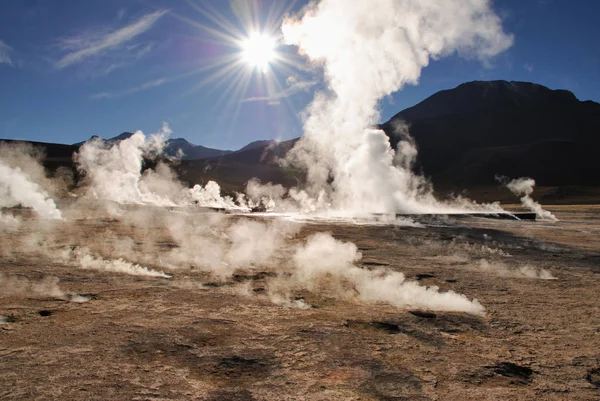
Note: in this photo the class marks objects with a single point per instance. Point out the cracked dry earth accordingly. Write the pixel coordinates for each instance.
(149, 338)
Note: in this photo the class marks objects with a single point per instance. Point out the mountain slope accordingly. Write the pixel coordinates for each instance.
(468, 134)
(175, 147)
(191, 151)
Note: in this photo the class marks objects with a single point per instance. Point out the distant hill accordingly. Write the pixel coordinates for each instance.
(259, 144)
(465, 136)
(232, 171)
(191, 151)
(174, 146)
(468, 134)
(56, 154)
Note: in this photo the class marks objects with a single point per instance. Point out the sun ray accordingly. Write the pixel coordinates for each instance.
(250, 56)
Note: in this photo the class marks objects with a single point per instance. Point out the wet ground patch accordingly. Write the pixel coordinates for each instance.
(423, 314)
(389, 383)
(518, 374)
(593, 377)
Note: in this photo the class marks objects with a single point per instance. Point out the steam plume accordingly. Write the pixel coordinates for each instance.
(526, 271)
(86, 260)
(324, 264)
(368, 50)
(16, 188)
(114, 171)
(523, 187)
(47, 287)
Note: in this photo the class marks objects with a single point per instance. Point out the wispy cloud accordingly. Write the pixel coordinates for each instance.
(528, 67)
(4, 54)
(130, 91)
(83, 47)
(294, 86)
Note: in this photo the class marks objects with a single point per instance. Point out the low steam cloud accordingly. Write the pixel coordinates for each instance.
(526, 271)
(351, 169)
(20, 178)
(325, 264)
(11, 285)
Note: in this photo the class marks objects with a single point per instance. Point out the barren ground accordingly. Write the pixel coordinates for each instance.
(146, 338)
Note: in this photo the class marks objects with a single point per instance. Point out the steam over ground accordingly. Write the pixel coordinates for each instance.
(163, 230)
(351, 169)
(368, 50)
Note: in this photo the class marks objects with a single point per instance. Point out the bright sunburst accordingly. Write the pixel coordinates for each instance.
(242, 54)
(258, 50)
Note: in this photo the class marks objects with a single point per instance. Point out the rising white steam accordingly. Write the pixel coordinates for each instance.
(526, 271)
(210, 196)
(220, 245)
(16, 188)
(368, 50)
(326, 265)
(15, 285)
(114, 171)
(523, 187)
(8, 222)
(11, 285)
(86, 260)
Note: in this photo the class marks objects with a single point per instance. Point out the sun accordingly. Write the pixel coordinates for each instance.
(258, 51)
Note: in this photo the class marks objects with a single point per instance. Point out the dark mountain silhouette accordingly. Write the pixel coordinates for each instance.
(124, 135)
(232, 171)
(258, 144)
(465, 136)
(117, 138)
(471, 133)
(173, 147)
(191, 151)
(55, 154)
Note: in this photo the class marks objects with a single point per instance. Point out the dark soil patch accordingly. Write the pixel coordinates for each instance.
(389, 383)
(593, 377)
(389, 327)
(423, 314)
(253, 277)
(214, 284)
(521, 374)
(239, 367)
(232, 394)
(45, 313)
(375, 264)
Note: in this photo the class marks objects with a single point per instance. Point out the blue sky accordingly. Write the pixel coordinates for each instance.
(70, 69)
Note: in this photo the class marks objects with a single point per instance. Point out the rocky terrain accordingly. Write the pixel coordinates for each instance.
(74, 333)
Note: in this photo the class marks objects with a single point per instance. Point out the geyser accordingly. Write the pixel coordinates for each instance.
(368, 50)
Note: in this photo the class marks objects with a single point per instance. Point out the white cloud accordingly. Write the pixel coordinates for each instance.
(4, 54)
(130, 91)
(528, 67)
(80, 48)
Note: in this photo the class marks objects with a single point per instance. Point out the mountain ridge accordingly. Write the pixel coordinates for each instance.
(465, 137)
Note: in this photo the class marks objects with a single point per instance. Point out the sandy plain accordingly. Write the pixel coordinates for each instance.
(195, 337)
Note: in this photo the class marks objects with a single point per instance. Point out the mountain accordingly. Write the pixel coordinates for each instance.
(259, 144)
(466, 136)
(191, 151)
(117, 138)
(173, 147)
(480, 129)
(232, 171)
(121, 137)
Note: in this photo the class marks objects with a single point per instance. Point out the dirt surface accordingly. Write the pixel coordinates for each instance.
(195, 337)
